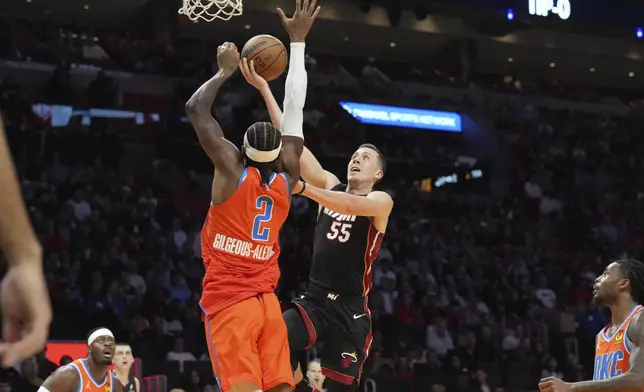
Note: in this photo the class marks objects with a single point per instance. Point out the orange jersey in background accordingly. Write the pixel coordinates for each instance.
(239, 241)
(613, 352)
(87, 382)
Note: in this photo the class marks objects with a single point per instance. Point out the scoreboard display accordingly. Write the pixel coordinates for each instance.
(545, 8)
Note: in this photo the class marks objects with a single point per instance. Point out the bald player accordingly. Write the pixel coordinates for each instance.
(89, 374)
(351, 223)
(123, 360)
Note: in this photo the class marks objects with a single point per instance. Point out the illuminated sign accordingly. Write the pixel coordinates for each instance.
(545, 7)
(403, 117)
(57, 350)
(429, 183)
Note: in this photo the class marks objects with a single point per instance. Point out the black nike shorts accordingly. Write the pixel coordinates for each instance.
(340, 328)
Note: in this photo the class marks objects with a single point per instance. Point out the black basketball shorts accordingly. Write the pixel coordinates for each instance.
(340, 328)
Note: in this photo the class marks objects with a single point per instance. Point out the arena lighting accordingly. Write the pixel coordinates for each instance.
(639, 33)
(428, 184)
(543, 8)
(395, 116)
(510, 14)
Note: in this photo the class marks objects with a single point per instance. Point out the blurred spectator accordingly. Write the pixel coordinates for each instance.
(314, 375)
(179, 353)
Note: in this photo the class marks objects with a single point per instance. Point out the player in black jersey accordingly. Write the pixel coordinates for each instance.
(123, 361)
(351, 223)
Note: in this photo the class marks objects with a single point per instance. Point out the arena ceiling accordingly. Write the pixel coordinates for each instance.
(343, 29)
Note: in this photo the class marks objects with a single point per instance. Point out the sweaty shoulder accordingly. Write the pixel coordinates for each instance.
(65, 379)
(636, 329)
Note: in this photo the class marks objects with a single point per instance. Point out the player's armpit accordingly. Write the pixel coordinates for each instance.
(631, 381)
(290, 157)
(376, 203)
(64, 379)
(118, 387)
(273, 107)
(313, 173)
(223, 154)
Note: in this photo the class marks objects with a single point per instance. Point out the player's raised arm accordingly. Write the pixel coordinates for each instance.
(26, 312)
(291, 123)
(631, 381)
(223, 154)
(247, 69)
(310, 169)
(375, 204)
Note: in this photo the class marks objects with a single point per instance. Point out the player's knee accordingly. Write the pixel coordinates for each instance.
(298, 336)
(298, 371)
(334, 386)
(245, 386)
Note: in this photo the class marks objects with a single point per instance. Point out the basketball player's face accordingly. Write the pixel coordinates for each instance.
(102, 350)
(608, 285)
(364, 166)
(123, 358)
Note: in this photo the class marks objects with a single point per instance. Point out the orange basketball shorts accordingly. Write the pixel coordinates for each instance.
(248, 342)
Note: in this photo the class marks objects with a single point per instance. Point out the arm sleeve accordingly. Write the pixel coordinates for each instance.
(295, 93)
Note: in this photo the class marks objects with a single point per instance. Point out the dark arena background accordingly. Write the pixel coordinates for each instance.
(512, 130)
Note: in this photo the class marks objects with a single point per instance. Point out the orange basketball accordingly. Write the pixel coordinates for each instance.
(268, 54)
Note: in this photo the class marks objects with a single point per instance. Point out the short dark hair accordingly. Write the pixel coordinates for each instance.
(634, 271)
(263, 136)
(383, 162)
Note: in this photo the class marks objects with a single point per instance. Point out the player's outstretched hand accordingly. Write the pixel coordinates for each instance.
(299, 25)
(26, 312)
(553, 384)
(227, 58)
(248, 70)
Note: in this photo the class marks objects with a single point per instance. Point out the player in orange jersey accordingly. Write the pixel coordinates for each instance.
(619, 348)
(90, 374)
(246, 334)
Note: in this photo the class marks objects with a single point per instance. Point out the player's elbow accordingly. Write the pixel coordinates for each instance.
(192, 107)
(637, 381)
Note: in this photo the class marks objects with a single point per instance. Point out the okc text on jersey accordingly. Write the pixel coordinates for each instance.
(608, 365)
(237, 247)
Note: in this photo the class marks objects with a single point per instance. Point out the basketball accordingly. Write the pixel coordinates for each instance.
(268, 54)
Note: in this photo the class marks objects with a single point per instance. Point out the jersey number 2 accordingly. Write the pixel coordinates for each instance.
(339, 231)
(265, 206)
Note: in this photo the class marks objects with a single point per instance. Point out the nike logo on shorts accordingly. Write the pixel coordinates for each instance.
(357, 316)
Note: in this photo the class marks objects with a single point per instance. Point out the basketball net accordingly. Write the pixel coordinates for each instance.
(210, 10)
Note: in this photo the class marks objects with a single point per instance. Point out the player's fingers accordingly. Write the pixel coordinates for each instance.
(33, 342)
(11, 329)
(281, 14)
(243, 66)
(252, 68)
(311, 8)
(298, 6)
(315, 14)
